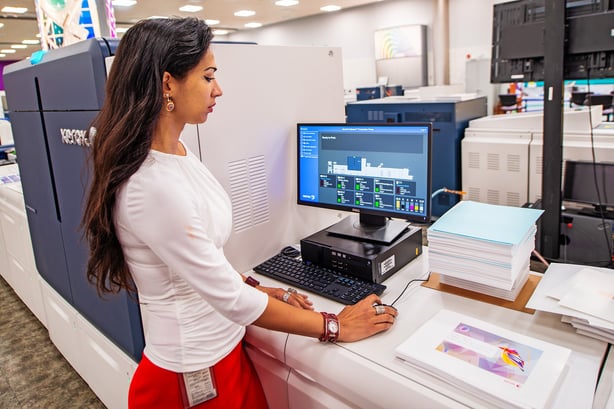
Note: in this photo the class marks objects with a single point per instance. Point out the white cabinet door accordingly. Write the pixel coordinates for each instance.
(273, 375)
(304, 393)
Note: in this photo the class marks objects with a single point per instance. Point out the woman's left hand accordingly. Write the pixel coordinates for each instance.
(290, 296)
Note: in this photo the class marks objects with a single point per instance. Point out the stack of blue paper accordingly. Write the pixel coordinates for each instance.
(484, 248)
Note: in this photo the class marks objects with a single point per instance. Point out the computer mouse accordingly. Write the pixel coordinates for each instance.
(386, 305)
(290, 251)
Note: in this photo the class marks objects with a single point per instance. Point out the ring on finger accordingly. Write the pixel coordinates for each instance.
(292, 290)
(286, 296)
(379, 309)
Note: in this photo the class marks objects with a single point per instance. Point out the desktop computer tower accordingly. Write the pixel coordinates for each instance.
(370, 261)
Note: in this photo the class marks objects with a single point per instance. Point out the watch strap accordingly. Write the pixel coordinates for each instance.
(329, 335)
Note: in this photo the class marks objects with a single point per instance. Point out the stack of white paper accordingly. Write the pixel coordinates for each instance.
(504, 368)
(586, 300)
(484, 248)
(509, 295)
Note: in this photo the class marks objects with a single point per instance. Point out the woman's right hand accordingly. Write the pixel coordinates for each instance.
(362, 320)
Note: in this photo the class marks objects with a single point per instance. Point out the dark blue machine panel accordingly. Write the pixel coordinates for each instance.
(52, 104)
(39, 195)
(449, 118)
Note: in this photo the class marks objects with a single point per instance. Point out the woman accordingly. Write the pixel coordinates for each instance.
(156, 221)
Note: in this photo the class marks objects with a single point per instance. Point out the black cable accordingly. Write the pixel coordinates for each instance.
(600, 206)
(407, 286)
(604, 361)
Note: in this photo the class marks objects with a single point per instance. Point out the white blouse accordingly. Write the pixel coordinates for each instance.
(172, 218)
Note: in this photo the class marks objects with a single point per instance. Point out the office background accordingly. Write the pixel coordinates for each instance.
(450, 47)
(469, 32)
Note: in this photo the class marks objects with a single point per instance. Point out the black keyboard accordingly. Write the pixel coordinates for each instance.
(322, 281)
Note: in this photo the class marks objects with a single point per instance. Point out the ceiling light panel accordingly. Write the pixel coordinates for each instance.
(17, 10)
(286, 3)
(245, 13)
(123, 3)
(267, 12)
(330, 7)
(190, 8)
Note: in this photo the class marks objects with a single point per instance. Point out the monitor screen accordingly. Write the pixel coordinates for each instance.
(582, 179)
(394, 90)
(381, 171)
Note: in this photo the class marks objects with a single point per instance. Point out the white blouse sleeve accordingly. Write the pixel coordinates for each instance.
(165, 217)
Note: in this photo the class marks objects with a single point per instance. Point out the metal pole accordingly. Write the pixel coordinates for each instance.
(552, 154)
(441, 40)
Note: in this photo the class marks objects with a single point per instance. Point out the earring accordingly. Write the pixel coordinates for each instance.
(170, 105)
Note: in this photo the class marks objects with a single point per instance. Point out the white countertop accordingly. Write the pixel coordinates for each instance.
(368, 374)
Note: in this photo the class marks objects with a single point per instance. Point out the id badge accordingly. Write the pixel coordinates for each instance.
(198, 387)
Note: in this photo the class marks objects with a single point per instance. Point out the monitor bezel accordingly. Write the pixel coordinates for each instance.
(569, 182)
(417, 219)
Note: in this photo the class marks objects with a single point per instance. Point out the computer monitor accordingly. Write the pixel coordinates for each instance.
(381, 171)
(589, 183)
(394, 90)
(365, 93)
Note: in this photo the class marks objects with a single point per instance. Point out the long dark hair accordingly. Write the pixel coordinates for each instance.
(124, 127)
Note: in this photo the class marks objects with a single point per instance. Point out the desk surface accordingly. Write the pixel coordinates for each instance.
(368, 374)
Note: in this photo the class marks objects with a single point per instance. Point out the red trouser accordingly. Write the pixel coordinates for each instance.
(236, 382)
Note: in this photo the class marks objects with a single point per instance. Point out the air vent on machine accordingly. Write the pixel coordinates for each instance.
(513, 163)
(248, 193)
(375, 115)
(493, 161)
(473, 193)
(513, 199)
(474, 160)
(492, 196)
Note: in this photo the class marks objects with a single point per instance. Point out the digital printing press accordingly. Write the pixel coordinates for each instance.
(502, 164)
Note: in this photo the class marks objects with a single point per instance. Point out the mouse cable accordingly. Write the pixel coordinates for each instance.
(407, 286)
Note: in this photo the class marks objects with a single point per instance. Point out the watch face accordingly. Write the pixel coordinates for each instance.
(333, 327)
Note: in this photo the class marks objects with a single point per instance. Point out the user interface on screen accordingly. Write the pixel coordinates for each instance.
(381, 169)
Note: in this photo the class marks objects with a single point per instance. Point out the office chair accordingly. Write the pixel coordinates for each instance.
(509, 103)
(605, 100)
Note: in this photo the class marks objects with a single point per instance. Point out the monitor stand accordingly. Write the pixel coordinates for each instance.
(597, 211)
(364, 228)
